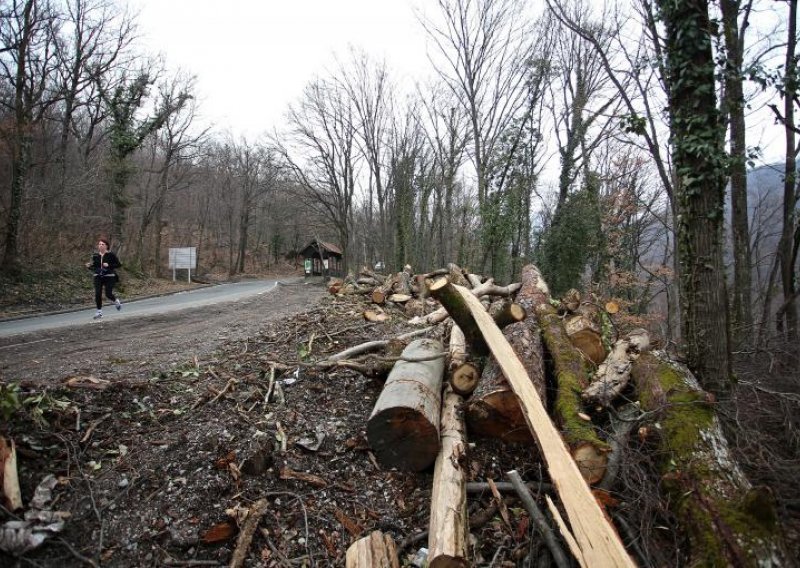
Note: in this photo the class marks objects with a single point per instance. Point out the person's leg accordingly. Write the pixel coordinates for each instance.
(98, 297)
(109, 284)
(110, 293)
(98, 293)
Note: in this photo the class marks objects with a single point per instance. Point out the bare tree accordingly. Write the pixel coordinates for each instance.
(28, 64)
(320, 150)
(367, 83)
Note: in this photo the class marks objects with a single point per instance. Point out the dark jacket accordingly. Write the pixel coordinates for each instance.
(105, 272)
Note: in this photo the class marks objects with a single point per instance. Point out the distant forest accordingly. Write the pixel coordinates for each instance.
(552, 137)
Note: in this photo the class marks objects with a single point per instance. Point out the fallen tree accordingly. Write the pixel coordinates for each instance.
(728, 522)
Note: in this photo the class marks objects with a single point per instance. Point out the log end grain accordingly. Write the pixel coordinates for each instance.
(591, 462)
(498, 415)
(403, 438)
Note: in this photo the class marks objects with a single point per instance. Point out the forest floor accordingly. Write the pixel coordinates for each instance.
(161, 431)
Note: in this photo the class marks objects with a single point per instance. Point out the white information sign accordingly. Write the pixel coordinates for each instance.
(183, 258)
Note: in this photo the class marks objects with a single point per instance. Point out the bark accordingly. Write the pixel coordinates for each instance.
(376, 550)
(447, 540)
(727, 521)
(403, 429)
(598, 542)
(614, 373)
(587, 448)
(494, 410)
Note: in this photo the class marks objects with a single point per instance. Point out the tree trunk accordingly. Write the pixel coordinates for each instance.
(376, 550)
(699, 158)
(403, 429)
(787, 252)
(734, 105)
(728, 522)
(447, 540)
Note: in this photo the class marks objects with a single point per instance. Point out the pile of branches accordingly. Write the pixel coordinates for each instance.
(501, 356)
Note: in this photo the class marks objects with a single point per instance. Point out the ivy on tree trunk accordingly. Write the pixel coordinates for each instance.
(697, 139)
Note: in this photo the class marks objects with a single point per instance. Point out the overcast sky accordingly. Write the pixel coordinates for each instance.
(253, 58)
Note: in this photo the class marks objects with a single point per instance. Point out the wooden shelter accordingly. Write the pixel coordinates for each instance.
(321, 258)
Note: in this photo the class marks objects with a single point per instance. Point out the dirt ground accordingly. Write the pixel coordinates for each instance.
(154, 465)
(161, 431)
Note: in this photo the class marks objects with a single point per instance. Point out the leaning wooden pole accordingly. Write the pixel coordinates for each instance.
(596, 538)
(447, 537)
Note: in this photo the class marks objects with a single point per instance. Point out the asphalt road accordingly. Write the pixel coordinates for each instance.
(138, 308)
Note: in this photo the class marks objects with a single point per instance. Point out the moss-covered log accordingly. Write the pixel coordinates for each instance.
(588, 450)
(727, 521)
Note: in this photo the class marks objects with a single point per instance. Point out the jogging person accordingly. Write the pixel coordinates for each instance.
(104, 264)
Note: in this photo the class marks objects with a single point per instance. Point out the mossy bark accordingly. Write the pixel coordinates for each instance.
(727, 521)
(589, 451)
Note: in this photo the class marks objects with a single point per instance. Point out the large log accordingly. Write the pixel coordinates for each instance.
(727, 521)
(447, 535)
(376, 550)
(403, 429)
(598, 542)
(494, 410)
(588, 450)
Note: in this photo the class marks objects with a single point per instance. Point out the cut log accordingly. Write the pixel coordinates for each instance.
(585, 333)
(447, 535)
(727, 521)
(456, 275)
(376, 550)
(598, 541)
(588, 450)
(10, 495)
(403, 429)
(399, 298)
(614, 373)
(509, 313)
(488, 288)
(463, 374)
(494, 410)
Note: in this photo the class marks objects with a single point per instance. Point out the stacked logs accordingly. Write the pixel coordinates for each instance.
(435, 397)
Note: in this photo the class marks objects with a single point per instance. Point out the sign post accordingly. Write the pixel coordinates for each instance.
(180, 258)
